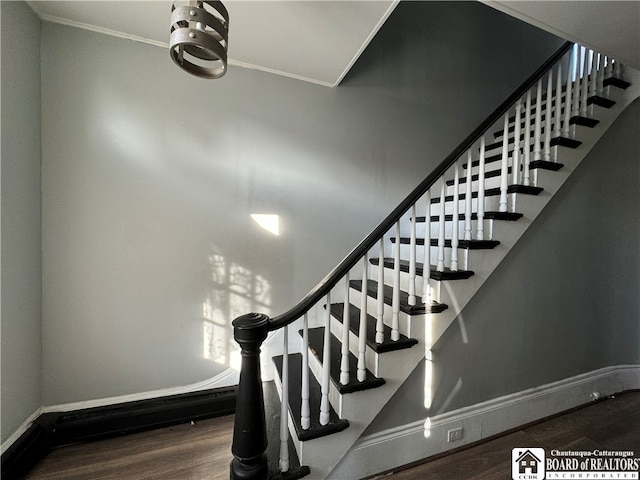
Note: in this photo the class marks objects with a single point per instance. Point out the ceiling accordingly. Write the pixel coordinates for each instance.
(319, 41)
(611, 27)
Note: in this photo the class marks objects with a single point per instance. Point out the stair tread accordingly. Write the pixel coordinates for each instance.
(418, 309)
(475, 176)
(315, 430)
(272, 417)
(492, 192)
(600, 101)
(447, 274)
(616, 82)
(509, 216)
(464, 244)
(316, 344)
(337, 310)
(583, 121)
(565, 142)
(546, 165)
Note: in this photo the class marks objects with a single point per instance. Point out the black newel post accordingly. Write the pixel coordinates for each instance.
(250, 430)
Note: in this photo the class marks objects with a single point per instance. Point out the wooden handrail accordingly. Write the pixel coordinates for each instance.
(321, 289)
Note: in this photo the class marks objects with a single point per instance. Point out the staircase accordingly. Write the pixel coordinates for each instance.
(354, 339)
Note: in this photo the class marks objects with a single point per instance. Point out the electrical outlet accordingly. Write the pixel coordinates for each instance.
(454, 435)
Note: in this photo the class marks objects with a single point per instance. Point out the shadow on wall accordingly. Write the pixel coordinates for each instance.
(233, 290)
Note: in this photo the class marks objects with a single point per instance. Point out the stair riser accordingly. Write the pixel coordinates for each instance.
(335, 398)
(492, 203)
(405, 231)
(433, 258)
(371, 357)
(404, 319)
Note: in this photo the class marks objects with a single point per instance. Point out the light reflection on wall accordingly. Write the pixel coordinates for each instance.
(235, 290)
(268, 221)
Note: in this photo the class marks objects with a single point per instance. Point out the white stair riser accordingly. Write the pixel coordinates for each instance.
(334, 396)
(372, 309)
(371, 357)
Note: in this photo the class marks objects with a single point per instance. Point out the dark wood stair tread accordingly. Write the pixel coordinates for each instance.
(492, 192)
(337, 310)
(315, 430)
(616, 82)
(475, 177)
(565, 142)
(272, 418)
(447, 274)
(546, 165)
(316, 345)
(418, 309)
(603, 102)
(508, 216)
(583, 121)
(464, 244)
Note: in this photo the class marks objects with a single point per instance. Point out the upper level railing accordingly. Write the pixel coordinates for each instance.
(536, 117)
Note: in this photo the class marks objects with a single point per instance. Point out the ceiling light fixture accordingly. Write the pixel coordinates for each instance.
(199, 37)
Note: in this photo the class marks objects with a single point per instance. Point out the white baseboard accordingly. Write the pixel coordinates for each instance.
(383, 451)
(227, 378)
(21, 429)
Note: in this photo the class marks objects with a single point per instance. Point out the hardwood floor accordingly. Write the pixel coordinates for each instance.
(202, 451)
(182, 452)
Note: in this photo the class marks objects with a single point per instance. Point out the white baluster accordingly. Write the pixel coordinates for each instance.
(326, 363)
(426, 264)
(395, 304)
(412, 257)
(577, 94)
(515, 171)
(608, 69)
(284, 405)
(346, 321)
(602, 59)
(527, 139)
(467, 200)
(567, 98)
(456, 218)
(557, 120)
(617, 69)
(593, 80)
(305, 411)
(585, 85)
(362, 330)
(380, 299)
(537, 132)
(480, 226)
(504, 171)
(515, 168)
(440, 264)
(547, 117)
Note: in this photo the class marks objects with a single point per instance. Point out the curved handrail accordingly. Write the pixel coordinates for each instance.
(322, 288)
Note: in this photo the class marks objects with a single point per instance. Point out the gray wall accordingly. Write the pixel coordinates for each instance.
(565, 300)
(20, 253)
(150, 175)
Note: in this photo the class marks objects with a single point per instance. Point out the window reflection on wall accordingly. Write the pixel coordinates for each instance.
(234, 291)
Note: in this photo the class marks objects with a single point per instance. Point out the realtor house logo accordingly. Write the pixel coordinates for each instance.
(527, 463)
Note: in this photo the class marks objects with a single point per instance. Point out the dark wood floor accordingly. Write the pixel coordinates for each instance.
(201, 451)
